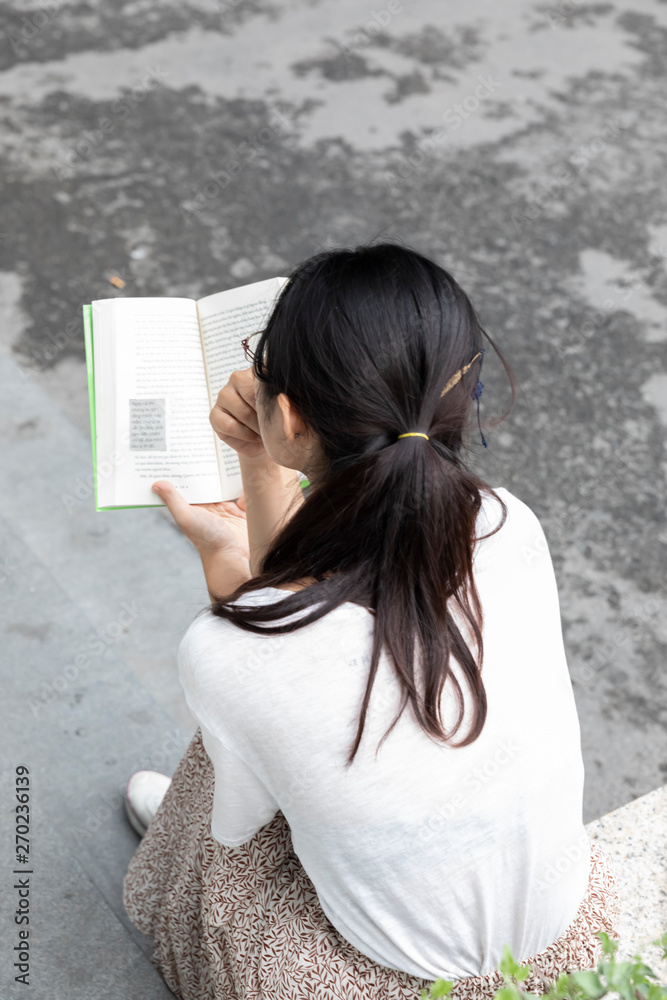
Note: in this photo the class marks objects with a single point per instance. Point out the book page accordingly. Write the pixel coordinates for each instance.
(157, 421)
(224, 320)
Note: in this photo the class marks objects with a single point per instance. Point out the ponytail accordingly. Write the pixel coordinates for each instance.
(363, 342)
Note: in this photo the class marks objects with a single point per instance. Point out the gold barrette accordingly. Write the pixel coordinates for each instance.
(459, 375)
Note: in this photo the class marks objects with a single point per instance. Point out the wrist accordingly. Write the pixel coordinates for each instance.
(215, 547)
(226, 555)
(258, 461)
(225, 569)
(267, 477)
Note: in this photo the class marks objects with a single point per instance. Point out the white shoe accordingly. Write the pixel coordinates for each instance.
(145, 791)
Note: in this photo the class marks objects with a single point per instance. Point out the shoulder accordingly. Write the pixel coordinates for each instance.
(211, 648)
(209, 656)
(206, 630)
(216, 652)
(519, 515)
(520, 531)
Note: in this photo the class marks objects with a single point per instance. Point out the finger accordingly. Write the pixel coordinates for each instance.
(229, 401)
(226, 425)
(240, 502)
(237, 398)
(239, 418)
(245, 383)
(231, 508)
(178, 507)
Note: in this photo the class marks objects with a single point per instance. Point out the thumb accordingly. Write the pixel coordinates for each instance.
(177, 506)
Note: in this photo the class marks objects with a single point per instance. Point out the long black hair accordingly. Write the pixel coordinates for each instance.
(362, 341)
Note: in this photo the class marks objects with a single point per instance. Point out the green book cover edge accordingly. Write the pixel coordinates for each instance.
(90, 372)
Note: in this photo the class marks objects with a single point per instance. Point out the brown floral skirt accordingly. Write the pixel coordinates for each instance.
(244, 923)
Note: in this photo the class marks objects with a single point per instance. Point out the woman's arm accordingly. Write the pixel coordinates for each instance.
(272, 492)
(233, 538)
(219, 533)
(272, 495)
(224, 572)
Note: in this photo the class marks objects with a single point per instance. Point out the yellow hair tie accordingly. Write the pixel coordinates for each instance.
(450, 385)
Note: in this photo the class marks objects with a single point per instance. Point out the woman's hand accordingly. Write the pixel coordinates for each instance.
(211, 527)
(234, 416)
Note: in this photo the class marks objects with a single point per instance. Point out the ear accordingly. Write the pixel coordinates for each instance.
(292, 422)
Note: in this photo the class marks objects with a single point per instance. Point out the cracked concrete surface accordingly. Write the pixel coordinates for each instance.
(190, 147)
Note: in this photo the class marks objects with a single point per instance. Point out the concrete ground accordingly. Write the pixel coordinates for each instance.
(187, 147)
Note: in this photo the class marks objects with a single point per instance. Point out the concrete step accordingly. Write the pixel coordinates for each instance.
(80, 747)
(635, 837)
(130, 572)
(92, 608)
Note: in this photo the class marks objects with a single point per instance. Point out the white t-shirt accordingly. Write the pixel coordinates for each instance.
(428, 859)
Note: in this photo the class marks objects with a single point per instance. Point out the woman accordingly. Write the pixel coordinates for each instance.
(386, 781)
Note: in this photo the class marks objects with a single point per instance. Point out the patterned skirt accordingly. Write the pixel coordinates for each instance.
(244, 923)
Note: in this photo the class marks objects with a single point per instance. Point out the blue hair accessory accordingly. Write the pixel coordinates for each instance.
(476, 393)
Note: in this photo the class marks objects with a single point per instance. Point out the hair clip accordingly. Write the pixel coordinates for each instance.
(476, 393)
(457, 376)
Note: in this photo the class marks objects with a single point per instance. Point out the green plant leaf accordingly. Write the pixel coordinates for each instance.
(561, 988)
(508, 965)
(621, 980)
(441, 988)
(643, 970)
(507, 992)
(589, 983)
(606, 968)
(662, 943)
(630, 980)
(523, 972)
(609, 945)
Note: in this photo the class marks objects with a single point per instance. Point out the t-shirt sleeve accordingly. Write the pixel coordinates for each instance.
(242, 805)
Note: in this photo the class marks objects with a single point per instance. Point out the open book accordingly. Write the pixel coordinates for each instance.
(155, 368)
